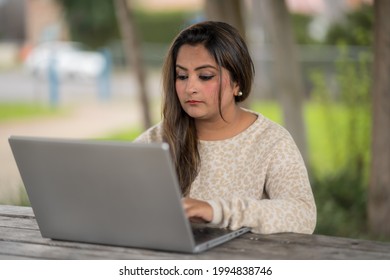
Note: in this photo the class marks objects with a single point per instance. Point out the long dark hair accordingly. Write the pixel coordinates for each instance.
(229, 50)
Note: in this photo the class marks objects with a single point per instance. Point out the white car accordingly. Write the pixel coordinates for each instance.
(68, 60)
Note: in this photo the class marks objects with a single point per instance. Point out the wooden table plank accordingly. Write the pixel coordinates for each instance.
(23, 239)
(18, 222)
(11, 210)
(268, 248)
(20, 239)
(325, 241)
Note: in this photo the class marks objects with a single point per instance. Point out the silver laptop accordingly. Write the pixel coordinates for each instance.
(114, 193)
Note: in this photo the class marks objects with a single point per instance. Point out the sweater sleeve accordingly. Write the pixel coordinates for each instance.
(288, 205)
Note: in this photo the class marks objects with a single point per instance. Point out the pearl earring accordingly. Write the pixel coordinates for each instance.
(239, 93)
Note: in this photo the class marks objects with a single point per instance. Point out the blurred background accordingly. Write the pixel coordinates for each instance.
(91, 69)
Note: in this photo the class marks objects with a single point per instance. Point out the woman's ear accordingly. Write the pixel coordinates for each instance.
(236, 89)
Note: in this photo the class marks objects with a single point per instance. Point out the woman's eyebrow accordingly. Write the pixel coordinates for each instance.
(197, 68)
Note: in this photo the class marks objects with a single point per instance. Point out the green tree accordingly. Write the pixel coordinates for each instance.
(356, 29)
(131, 45)
(91, 22)
(300, 24)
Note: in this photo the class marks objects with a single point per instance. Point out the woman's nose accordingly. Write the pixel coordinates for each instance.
(191, 86)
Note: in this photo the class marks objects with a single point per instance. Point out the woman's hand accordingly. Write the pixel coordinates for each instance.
(197, 211)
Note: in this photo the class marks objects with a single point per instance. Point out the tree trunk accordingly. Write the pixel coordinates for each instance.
(379, 192)
(286, 69)
(133, 54)
(229, 11)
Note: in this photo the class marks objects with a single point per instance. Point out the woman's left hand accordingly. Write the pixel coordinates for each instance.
(197, 211)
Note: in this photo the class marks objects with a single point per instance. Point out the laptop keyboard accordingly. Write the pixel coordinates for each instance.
(204, 234)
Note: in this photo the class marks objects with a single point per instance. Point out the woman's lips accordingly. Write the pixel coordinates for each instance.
(192, 102)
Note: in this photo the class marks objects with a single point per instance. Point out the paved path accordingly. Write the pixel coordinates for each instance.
(87, 120)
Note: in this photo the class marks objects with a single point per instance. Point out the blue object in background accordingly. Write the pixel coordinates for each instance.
(104, 79)
(53, 82)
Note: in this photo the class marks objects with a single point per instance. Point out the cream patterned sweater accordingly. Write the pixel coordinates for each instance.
(255, 179)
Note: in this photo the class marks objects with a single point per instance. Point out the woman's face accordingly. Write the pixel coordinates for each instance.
(198, 81)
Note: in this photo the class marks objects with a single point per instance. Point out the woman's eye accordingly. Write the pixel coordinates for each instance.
(181, 77)
(206, 77)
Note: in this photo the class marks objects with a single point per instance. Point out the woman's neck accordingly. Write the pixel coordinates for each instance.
(221, 129)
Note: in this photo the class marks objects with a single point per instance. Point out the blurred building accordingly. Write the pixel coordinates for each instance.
(12, 21)
(45, 21)
(12, 31)
(25, 23)
(31, 21)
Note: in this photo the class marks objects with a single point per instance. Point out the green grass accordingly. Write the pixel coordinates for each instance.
(325, 127)
(269, 109)
(15, 111)
(128, 135)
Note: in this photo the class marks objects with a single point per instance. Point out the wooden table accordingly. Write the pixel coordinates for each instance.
(20, 239)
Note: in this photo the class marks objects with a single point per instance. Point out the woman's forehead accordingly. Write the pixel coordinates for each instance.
(195, 55)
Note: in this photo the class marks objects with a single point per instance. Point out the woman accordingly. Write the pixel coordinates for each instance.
(235, 167)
